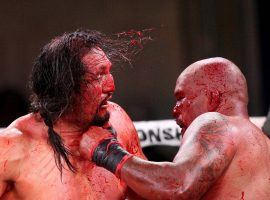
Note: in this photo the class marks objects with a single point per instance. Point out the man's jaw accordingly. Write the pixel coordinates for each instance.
(181, 125)
(101, 120)
(102, 115)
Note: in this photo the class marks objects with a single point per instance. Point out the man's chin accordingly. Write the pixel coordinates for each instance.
(101, 118)
(182, 126)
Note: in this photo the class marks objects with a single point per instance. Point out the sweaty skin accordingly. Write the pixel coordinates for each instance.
(28, 170)
(27, 164)
(222, 155)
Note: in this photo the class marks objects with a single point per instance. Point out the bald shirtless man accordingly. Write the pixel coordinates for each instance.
(39, 152)
(222, 155)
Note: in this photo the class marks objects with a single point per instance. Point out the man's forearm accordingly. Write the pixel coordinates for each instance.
(152, 180)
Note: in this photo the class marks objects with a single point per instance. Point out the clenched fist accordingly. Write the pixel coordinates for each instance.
(100, 146)
(92, 138)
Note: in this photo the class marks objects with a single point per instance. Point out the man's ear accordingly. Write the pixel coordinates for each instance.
(213, 100)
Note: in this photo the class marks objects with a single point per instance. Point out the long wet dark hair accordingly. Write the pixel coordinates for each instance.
(58, 74)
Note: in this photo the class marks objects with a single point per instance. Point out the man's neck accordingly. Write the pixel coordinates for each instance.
(70, 133)
(233, 109)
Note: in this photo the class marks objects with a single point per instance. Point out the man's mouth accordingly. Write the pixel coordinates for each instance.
(104, 103)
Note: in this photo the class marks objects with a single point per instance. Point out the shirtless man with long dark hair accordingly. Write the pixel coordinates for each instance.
(71, 84)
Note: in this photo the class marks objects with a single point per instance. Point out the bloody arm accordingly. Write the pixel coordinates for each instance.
(206, 151)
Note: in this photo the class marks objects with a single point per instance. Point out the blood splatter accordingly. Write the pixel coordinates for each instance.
(243, 195)
(137, 38)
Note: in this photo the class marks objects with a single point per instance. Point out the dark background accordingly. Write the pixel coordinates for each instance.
(186, 31)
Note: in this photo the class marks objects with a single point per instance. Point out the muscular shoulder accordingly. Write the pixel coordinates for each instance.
(120, 120)
(14, 133)
(211, 122)
(31, 126)
(212, 128)
(15, 140)
(12, 151)
(9, 136)
(117, 113)
(126, 132)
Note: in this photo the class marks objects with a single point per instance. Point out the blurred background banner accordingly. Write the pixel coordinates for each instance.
(158, 132)
(185, 31)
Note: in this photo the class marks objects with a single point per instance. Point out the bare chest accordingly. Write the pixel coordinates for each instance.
(40, 179)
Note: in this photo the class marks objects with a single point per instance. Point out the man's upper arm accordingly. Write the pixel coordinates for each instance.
(207, 150)
(10, 156)
(126, 132)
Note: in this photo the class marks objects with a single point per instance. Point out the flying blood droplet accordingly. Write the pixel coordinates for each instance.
(137, 38)
(139, 33)
(133, 42)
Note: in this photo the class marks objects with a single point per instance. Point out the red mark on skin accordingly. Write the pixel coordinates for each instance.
(243, 195)
(8, 142)
(240, 165)
(5, 163)
(133, 147)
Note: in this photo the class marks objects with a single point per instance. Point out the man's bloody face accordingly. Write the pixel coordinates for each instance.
(99, 86)
(191, 101)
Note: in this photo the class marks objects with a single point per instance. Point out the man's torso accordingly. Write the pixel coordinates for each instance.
(248, 174)
(37, 176)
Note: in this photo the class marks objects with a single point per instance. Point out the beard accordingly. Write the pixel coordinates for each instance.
(100, 120)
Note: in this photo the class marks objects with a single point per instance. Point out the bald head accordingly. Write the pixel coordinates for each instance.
(216, 74)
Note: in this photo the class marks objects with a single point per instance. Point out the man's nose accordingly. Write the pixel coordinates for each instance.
(108, 84)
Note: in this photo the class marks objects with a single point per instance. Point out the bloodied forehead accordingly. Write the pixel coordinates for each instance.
(96, 61)
(185, 82)
(208, 73)
(213, 74)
